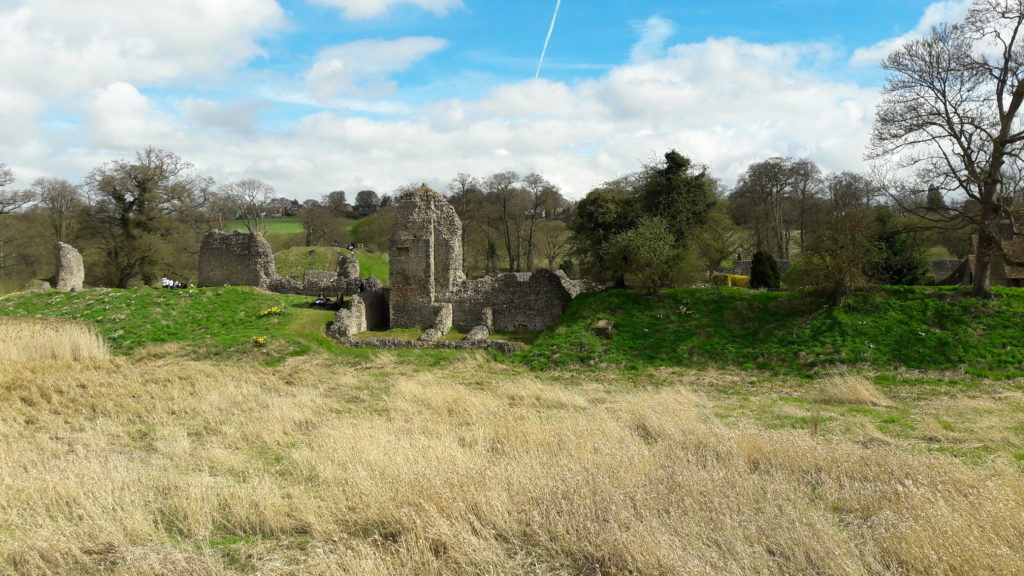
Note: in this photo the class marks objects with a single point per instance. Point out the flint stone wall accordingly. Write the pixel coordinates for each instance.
(348, 267)
(236, 258)
(351, 320)
(518, 302)
(425, 257)
(70, 273)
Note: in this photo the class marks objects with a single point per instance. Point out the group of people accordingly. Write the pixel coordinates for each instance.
(326, 302)
(176, 284)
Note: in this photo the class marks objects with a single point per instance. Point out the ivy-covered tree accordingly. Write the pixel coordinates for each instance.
(673, 197)
(898, 259)
(647, 252)
(603, 214)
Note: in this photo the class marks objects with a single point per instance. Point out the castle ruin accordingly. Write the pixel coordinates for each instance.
(428, 289)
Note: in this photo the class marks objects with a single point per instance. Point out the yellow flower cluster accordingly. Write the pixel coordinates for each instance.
(9, 295)
(272, 311)
(259, 341)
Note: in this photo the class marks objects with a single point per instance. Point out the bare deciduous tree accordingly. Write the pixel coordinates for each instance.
(950, 111)
(137, 208)
(250, 198)
(11, 200)
(63, 203)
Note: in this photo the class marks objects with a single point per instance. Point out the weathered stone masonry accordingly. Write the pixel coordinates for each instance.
(236, 258)
(425, 258)
(70, 273)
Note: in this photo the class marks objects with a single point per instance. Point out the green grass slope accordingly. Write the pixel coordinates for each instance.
(295, 261)
(913, 327)
(204, 322)
(210, 319)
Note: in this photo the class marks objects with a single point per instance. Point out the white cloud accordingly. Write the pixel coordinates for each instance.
(239, 117)
(654, 32)
(364, 67)
(723, 102)
(60, 48)
(938, 13)
(121, 118)
(366, 9)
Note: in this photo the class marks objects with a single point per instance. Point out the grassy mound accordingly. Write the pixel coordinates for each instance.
(234, 321)
(212, 319)
(913, 327)
(293, 262)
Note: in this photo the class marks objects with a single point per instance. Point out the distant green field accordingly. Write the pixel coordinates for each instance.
(280, 225)
(293, 262)
(273, 225)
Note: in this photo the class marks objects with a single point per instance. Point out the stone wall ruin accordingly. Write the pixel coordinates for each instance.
(425, 257)
(70, 272)
(517, 302)
(235, 258)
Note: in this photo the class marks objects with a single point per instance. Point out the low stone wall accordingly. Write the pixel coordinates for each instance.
(401, 344)
(351, 320)
(348, 267)
(742, 267)
(518, 302)
(70, 273)
(317, 281)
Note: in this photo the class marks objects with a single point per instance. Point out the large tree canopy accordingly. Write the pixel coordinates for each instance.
(136, 206)
(951, 111)
(674, 198)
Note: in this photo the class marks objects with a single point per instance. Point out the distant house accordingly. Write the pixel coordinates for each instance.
(282, 207)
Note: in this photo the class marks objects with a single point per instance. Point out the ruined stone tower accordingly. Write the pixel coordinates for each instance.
(426, 258)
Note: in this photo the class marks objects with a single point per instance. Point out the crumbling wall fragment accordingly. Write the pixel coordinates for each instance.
(350, 320)
(235, 258)
(70, 273)
(518, 302)
(348, 267)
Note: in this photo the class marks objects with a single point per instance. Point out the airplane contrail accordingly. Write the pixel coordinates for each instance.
(554, 17)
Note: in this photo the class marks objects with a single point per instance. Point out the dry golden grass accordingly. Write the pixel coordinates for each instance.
(163, 466)
(24, 339)
(846, 388)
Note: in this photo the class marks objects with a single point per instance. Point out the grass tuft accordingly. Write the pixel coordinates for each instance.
(846, 388)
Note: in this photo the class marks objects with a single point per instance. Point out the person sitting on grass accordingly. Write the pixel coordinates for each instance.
(321, 300)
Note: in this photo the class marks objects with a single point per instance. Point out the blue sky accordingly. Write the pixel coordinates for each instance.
(318, 95)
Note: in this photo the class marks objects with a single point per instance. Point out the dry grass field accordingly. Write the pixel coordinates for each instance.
(156, 464)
